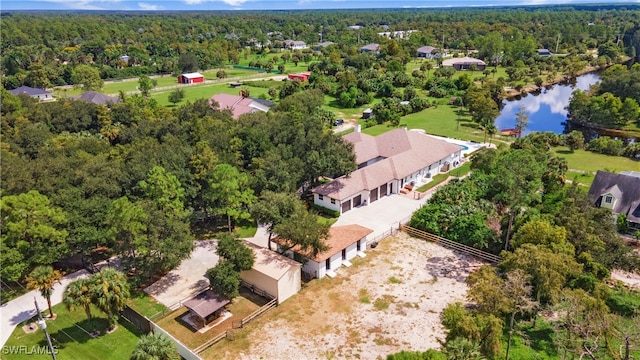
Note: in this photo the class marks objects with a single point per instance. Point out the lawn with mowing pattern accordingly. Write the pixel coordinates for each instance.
(70, 334)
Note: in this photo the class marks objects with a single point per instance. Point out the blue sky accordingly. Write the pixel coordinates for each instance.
(270, 4)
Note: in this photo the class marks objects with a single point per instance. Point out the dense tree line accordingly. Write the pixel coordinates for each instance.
(612, 103)
(137, 178)
(45, 49)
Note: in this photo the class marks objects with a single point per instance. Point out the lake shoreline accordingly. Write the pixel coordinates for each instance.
(511, 93)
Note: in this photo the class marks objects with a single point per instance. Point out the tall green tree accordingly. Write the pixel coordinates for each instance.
(549, 271)
(235, 252)
(44, 278)
(155, 346)
(110, 291)
(302, 229)
(522, 120)
(165, 190)
(32, 234)
(145, 84)
(272, 208)
(88, 77)
(229, 193)
(78, 294)
(127, 223)
(224, 279)
(516, 182)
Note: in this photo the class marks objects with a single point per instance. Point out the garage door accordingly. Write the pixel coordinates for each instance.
(346, 206)
(383, 190)
(373, 195)
(357, 200)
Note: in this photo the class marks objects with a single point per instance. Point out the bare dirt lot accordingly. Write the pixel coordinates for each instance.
(388, 302)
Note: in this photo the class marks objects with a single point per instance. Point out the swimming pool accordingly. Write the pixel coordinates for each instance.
(464, 147)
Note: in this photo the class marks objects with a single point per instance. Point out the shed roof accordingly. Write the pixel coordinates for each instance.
(463, 60)
(270, 263)
(426, 49)
(194, 75)
(206, 303)
(370, 47)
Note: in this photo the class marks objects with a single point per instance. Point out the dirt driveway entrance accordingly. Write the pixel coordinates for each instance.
(188, 279)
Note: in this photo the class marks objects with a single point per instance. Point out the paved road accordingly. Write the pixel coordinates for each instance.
(20, 309)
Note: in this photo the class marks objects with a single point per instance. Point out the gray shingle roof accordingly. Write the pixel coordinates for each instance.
(625, 188)
(29, 91)
(96, 98)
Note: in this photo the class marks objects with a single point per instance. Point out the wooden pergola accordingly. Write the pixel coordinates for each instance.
(207, 306)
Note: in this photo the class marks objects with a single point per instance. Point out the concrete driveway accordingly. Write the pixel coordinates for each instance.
(383, 214)
(188, 279)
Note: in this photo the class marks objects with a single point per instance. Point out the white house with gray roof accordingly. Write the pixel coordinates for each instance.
(386, 163)
(40, 94)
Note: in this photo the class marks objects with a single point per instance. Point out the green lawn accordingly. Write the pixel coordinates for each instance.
(206, 91)
(592, 162)
(70, 333)
(440, 120)
(146, 305)
(582, 178)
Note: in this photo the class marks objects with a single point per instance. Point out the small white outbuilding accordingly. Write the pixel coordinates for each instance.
(275, 274)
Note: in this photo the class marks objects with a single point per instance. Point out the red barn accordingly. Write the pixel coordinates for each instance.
(190, 78)
(301, 76)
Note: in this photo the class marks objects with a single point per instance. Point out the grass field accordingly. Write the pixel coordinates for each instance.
(441, 120)
(193, 93)
(70, 335)
(588, 161)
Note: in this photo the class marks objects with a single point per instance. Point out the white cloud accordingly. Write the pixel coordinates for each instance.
(150, 7)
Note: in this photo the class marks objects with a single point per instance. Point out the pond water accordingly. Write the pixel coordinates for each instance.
(546, 109)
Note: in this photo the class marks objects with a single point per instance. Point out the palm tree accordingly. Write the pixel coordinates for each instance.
(463, 349)
(110, 292)
(78, 294)
(43, 278)
(154, 346)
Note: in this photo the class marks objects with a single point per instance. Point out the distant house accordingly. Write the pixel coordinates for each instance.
(40, 94)
(96, 98)
(322, 45)
(295, 44)
(190, 78)
(367, 113)
(275, 274)
(300, 76)
(370, 48)
(354, 27)
(387, 163)
(544, 52)
(464, 63)
(239, 105)
(619, 193)
(400, 34)
(344, 243)
(426, 52)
